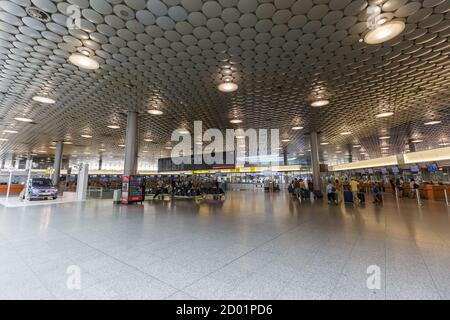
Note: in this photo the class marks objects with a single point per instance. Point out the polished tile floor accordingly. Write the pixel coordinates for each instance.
(251, 246)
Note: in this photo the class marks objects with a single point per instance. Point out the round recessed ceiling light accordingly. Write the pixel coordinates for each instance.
(122, 145)
(3, 139)
(155, 112)
(357, 146)
(86, 136)
(83, 61)
(429, 123)
(324, 143)
(113, 126)
(384, 115)
(10, 131)
(52, 147)
(101, 149)
(227, 86)
(416, 141)
(297, 128)
(320, 103)
(23, 119)
(384, 137)
(168, 148)
(235, 121)
(43, 99)
(183, 131)
(285, 140)
(385, 32)
(67, 142)
(346, 133)
(148, 140)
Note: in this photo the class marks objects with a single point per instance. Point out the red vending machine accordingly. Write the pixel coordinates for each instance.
(132, 189)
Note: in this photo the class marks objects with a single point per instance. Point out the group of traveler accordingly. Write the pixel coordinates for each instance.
(352, 191)
(185, 188)
(398, 187)
(301, 188)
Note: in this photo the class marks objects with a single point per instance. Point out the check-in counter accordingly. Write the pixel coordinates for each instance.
(438, 191)
(388, 188)
(426, 191)
(245, 186)
(14, 189)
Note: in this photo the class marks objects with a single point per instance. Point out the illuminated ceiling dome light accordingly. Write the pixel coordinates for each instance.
(384, 137)
(227, 86)
(417, 141)
(43, 99)
(168, 148)
(102, 149)
(285, 140)
(155, 112)
(3, 139)
(113, 126)
(429, 123)
(86, 136)
(346, 133)
(384, 115)
(236, 121)
(52, 147)
(320, 103)
(67, 142)
(23, 119)
(297, 128)
(324, 143)
(121, 145)
(357, 146)
(183, 131)
(10, 131)
(148, 140)
(83, 61)
(385, 32)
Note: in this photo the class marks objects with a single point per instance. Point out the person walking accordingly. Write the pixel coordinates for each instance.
(354, 189)
(331, 193)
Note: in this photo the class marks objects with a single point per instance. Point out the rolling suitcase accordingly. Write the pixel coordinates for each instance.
(361, 197)
(306, 194)
(348, 196)
(318, 194)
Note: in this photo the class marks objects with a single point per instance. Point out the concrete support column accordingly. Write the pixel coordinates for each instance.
(285, 156)
(411, 145)
(315, 160)
(131, 147)
(57, 163)
(350, 155)
(100, 161)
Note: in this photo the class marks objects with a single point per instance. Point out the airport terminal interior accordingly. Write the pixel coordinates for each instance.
(224, 149)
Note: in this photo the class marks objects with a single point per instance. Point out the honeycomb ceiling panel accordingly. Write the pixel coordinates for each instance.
(171, 55)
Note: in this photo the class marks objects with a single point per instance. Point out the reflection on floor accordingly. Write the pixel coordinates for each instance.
(251, 246)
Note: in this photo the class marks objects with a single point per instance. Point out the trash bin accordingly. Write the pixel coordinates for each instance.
(117, 196)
